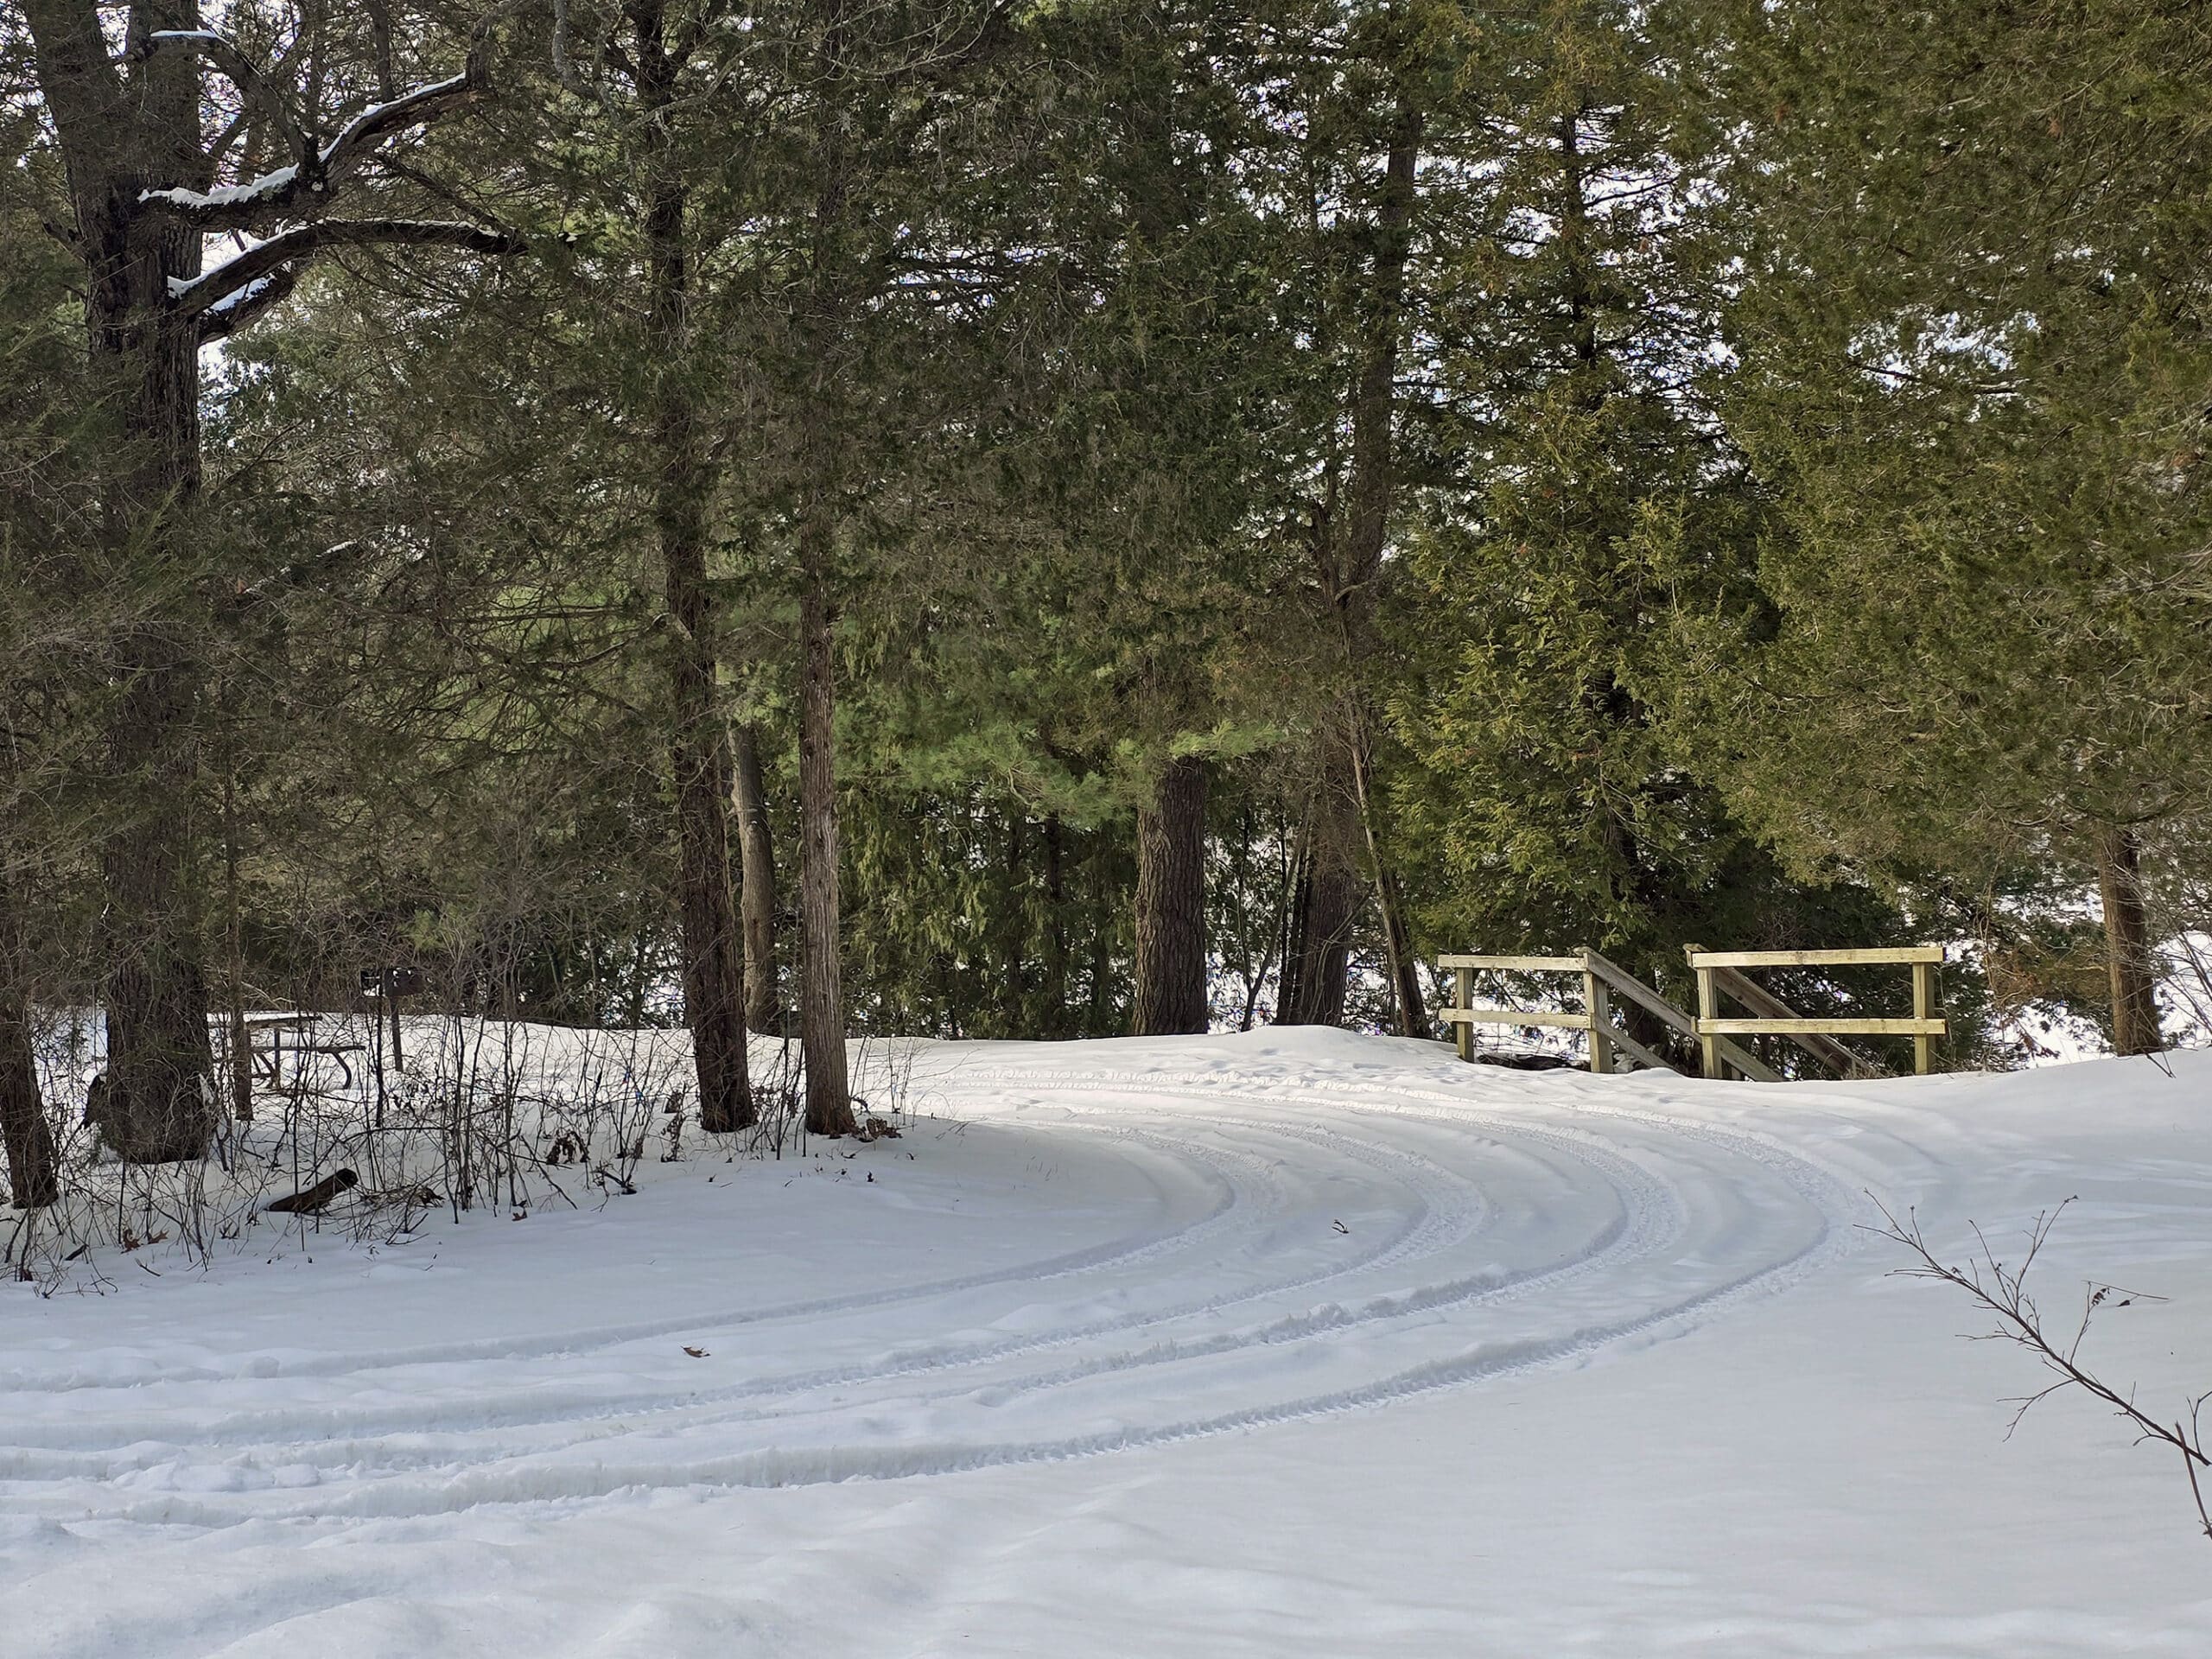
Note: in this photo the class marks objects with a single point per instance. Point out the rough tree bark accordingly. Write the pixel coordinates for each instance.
(2133, 976)
(121, 133)
(1170, 965)
(1325, 897)
(822, 1001)
(238, 1042)
(713, 968)
(757, 892)
(1342, 826)
(33, 1173)
(129, 129)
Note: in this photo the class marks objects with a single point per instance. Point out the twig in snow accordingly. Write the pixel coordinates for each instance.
(2003, 1291)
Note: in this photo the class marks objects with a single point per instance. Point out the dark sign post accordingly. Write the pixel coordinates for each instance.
(387, 985)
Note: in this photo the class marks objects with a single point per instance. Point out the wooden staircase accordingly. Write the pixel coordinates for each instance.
(1719, 973)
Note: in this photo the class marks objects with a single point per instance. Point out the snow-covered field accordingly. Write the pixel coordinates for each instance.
(1281, 1344)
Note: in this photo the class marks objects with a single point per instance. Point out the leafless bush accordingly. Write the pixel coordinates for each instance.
(486, 1114)
(2003, 1291)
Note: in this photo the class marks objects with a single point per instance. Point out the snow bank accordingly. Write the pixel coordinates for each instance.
(1285, 1343)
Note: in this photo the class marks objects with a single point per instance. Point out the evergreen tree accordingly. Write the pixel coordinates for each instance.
(1972, 328)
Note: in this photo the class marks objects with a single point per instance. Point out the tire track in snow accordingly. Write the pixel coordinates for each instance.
(1433, 1218)
(1653, 1209)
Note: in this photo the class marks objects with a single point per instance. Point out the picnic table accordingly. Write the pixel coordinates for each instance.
(268, 1059)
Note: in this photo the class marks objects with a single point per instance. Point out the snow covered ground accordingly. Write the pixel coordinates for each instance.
(1280, 1343)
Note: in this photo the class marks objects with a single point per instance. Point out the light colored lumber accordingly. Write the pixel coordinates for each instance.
(1515, 964)
(1923, 1007)
(1764, 1003)
(1515, 1017)
(1872, 956)
(1708, 1007)
(1870, 1028)
(1600, 1013)
(1636, 991)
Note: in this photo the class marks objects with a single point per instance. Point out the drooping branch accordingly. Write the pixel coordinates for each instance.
(234, 291)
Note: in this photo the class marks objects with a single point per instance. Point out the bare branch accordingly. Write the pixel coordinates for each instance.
(2003, 1291)
(230, 280)
(311, 181)
(237, 308)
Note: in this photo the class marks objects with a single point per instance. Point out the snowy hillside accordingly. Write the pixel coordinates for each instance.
(1279, 1344)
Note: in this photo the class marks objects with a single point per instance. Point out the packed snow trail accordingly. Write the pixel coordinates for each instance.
(1059, 1266)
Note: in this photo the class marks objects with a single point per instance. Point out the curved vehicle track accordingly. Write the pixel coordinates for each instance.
(1330, 1245)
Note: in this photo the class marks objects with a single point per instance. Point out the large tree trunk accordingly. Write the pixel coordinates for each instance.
(238, 1038)
(33, 1173)
(821, 999)
(161, 1100)
(129, 124)
(827, 320)
(118, 140)
(2127, 945)
(1407, 998)
(713, 974)
(757, 861)
(1171, 976)
(1325, 897)
(1056, 944)
(1327, 901)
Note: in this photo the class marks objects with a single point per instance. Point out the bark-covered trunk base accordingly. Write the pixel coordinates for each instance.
(2132, 974)
(1170, 965)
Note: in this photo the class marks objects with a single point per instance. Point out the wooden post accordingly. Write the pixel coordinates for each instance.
(391, 998)
(1465, 1030)
(1708, 1007)
(1923, 1007)
(1595, 1004)
(376, 1027)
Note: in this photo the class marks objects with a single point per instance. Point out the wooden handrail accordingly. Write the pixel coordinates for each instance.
(1600, 979)
(1637, 992)
(1718, 972)
(1877, 956)
(1762, 1001)
(1515, 965)
(1797, 1027)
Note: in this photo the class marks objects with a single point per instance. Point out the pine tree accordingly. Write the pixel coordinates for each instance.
(1972, 339)
(142, 198)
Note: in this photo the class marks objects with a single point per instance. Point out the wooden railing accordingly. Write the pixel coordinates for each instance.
(1602, 982)
(1719, 973)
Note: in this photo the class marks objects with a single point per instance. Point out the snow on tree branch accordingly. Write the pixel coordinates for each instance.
(229, 291)
(242, 305)
(283, 190)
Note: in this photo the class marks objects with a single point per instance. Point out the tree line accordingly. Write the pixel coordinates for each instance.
(1072, 518)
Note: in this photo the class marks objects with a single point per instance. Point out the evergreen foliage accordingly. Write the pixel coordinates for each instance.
(1184, 510)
